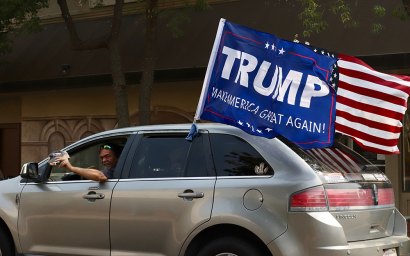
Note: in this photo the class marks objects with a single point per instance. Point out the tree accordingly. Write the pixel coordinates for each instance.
(108, 41)
(152, 13)
(403, 12)
(18, 16)
(150, 58)
(315, 14)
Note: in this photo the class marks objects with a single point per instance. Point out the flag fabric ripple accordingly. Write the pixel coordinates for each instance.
(370, 105)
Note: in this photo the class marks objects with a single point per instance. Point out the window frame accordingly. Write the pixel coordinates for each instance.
(168, 133)
(45, 169)
(265, 160)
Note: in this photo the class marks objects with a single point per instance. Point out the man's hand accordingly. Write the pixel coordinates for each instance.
(57, 156)
(64, 162)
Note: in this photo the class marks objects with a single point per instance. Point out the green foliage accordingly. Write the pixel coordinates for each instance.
(379, 11)
(401, 13)
(315, 14)
(18, 16)
(312, 17)
(376, 28)
(344, 12)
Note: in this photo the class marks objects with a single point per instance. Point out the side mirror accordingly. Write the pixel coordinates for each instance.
(29, 171)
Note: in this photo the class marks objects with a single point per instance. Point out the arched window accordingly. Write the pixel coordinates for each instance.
(56, 141)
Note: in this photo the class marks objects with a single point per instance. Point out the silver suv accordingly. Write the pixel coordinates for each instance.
(224, 193)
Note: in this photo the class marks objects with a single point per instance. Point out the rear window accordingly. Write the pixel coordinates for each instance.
(235, 157)
(340, 164)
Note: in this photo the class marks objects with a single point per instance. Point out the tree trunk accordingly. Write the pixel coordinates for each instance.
(118, 77)
(119, 86)
(150, 58)
(108, 41)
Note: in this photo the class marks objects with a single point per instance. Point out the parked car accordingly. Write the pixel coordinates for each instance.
(232, 194)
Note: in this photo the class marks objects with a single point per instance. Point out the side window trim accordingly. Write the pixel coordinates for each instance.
(78, 147)
(126, 151)
(126, 168)
(209, 157)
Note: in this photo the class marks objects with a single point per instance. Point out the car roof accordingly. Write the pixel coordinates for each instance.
(213, 127)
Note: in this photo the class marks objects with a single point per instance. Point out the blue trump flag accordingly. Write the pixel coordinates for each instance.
(268, 87)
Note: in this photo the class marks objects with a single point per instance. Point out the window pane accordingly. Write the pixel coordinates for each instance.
(199, 161)
(85, 156)
(160, 156)
(235, 157)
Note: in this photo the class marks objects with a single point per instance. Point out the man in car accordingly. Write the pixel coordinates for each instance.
(109, 154)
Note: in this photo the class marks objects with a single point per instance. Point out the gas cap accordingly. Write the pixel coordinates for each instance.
(252, 199)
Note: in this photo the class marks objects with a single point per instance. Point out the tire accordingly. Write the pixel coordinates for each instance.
(230, 246)
(6, 248)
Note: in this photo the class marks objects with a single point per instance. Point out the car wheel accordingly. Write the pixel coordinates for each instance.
(5, 247)
(230, 246)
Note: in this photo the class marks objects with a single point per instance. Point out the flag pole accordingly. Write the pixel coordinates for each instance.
(194, 129)
(208, 73)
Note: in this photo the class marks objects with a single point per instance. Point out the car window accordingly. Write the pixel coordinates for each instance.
(235, 157)
(85, 156)
(339, 164)
(160, 156)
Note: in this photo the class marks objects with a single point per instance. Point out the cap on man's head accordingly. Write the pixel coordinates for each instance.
(115, 148)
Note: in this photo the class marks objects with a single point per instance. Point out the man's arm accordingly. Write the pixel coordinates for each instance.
(87, 173)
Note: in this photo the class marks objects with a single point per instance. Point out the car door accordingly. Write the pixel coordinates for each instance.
(66, 214)
(166, 192)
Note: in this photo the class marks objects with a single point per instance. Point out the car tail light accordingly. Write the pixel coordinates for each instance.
(310, 200)
(349, 199)
(339, 199)
(386, 196)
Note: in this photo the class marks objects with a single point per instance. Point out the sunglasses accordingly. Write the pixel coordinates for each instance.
(106, 147)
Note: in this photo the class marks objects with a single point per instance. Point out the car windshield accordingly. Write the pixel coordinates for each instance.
(340, 164)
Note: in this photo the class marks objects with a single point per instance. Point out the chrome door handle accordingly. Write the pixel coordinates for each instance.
(191, 195)
(93, 196)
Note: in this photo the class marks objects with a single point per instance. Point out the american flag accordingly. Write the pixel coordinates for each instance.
(370, 105)
(335, 159)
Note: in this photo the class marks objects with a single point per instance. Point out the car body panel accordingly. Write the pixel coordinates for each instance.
(260, 212)
(149, 214)
(56, 218)
(164, 209)
(9, 205)
(70, 206)
(371, 224)
(309, 229)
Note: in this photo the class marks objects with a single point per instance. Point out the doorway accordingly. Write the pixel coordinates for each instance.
(9, 150)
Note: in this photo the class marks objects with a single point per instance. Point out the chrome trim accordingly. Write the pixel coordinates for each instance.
(168, 178)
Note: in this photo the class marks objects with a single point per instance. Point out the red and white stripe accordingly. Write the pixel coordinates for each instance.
(370, 105)
(335, 159)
